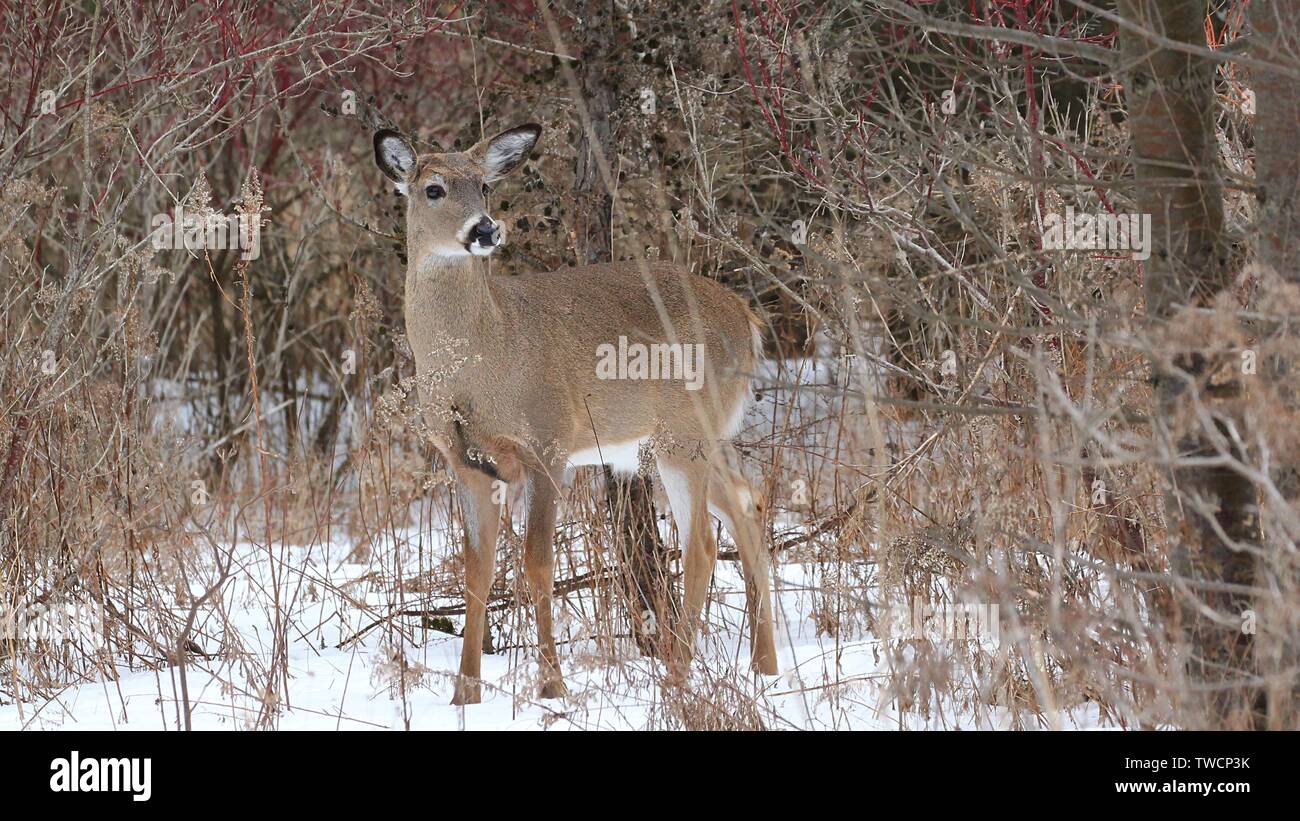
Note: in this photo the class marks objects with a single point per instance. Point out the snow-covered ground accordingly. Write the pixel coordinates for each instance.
(399, 675)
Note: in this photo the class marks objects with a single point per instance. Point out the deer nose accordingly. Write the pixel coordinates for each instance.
(485, 232)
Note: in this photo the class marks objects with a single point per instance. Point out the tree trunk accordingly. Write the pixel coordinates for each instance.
(1171, 106)
(631, 498)
(1276, 35)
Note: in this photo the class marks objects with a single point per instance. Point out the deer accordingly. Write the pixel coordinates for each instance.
(521, 378)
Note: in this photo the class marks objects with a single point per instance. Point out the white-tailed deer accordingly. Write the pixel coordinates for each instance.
(521, 377)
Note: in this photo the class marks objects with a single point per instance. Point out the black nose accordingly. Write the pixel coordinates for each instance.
(486, 233)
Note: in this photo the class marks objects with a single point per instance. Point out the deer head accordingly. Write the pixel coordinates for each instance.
(446, 211)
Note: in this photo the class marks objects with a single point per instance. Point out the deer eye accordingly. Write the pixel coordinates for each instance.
(434, 191)
(485, 189)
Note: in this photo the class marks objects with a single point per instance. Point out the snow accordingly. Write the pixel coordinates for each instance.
(400, 674)
(825, 683)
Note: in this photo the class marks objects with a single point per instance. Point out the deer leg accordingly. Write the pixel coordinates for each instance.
(686, 484)
(539, 566)
(732, 500)
(482, 520)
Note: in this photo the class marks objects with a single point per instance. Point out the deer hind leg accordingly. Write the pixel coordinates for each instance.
(539, 567)
(482, 520)
(733, 500)
(686, 483)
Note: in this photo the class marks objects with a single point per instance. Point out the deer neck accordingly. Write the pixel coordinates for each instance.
(451, 297)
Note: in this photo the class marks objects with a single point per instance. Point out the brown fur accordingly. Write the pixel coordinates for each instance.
(508, 373)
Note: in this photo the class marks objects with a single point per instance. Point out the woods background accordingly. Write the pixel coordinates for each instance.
(1105, 448)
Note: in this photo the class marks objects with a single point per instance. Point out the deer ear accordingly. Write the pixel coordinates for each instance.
(506, 151)
(394, 156)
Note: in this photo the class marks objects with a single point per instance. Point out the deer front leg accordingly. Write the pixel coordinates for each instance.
(482, 520)
(539, 566)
